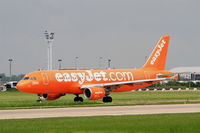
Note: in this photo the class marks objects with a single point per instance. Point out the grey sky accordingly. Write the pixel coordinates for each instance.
(123, 30)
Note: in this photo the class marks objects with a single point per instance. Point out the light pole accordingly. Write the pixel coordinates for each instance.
(100, 59)
(59, 63)
(49, 39)
(10, 60)
(109, 63)
(76, 62)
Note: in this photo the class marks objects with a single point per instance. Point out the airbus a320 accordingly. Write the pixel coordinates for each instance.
(98, 84)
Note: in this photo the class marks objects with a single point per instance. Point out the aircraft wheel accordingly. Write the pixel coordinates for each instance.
(107, 99)
(78, 99)
(110, 99)
(39, 101)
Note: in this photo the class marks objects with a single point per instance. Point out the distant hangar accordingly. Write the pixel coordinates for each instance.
(190, 73)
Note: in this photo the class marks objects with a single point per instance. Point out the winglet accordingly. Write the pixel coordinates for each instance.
(157, 59)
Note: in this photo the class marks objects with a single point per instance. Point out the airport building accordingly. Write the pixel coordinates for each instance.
(187, 74)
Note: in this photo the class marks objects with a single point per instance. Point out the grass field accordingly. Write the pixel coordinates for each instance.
(15, 99)
(165, 123)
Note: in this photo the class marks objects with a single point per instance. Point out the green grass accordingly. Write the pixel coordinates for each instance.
(165, 123)
(15, 99)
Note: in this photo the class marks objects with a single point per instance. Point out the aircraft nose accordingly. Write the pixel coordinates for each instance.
(21, 86)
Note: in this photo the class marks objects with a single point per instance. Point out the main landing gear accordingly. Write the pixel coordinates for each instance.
(107, 99)
(78, 99)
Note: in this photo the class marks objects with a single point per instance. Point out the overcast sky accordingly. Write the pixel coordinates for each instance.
(124, 31)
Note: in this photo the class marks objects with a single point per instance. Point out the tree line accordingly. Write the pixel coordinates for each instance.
(175, 84)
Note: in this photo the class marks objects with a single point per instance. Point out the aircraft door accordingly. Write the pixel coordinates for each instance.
(45, 79)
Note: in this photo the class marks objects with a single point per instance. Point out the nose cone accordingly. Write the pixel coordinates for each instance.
(21, 86)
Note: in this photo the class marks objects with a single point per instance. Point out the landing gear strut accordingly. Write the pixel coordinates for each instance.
(78, 99)
(107, 98)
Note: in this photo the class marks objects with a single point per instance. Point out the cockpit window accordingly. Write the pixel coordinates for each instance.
(29, 78)
(26, 78)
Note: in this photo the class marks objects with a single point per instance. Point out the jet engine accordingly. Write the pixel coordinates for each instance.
(94, 93)
(49, 96)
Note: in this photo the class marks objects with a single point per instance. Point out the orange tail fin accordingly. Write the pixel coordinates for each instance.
(157, 59)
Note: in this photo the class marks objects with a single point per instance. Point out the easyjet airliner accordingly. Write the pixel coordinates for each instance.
(98, 84)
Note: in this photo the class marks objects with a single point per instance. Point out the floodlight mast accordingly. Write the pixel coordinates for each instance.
(59, 64)
(10, 60)
(49, 39)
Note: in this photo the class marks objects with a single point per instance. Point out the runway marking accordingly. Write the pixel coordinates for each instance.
(99, 111)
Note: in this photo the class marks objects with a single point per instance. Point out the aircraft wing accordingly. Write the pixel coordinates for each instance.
(123, 83)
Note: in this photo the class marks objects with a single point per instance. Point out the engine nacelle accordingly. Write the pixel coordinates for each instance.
(49, 96)
(94, 93)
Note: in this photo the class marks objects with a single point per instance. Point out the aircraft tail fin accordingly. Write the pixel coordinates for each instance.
(157, 59)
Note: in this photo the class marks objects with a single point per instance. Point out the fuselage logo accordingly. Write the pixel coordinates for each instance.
(89, 76)
(158, 52)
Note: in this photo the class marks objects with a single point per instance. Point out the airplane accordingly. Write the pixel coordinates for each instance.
(99, 83)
